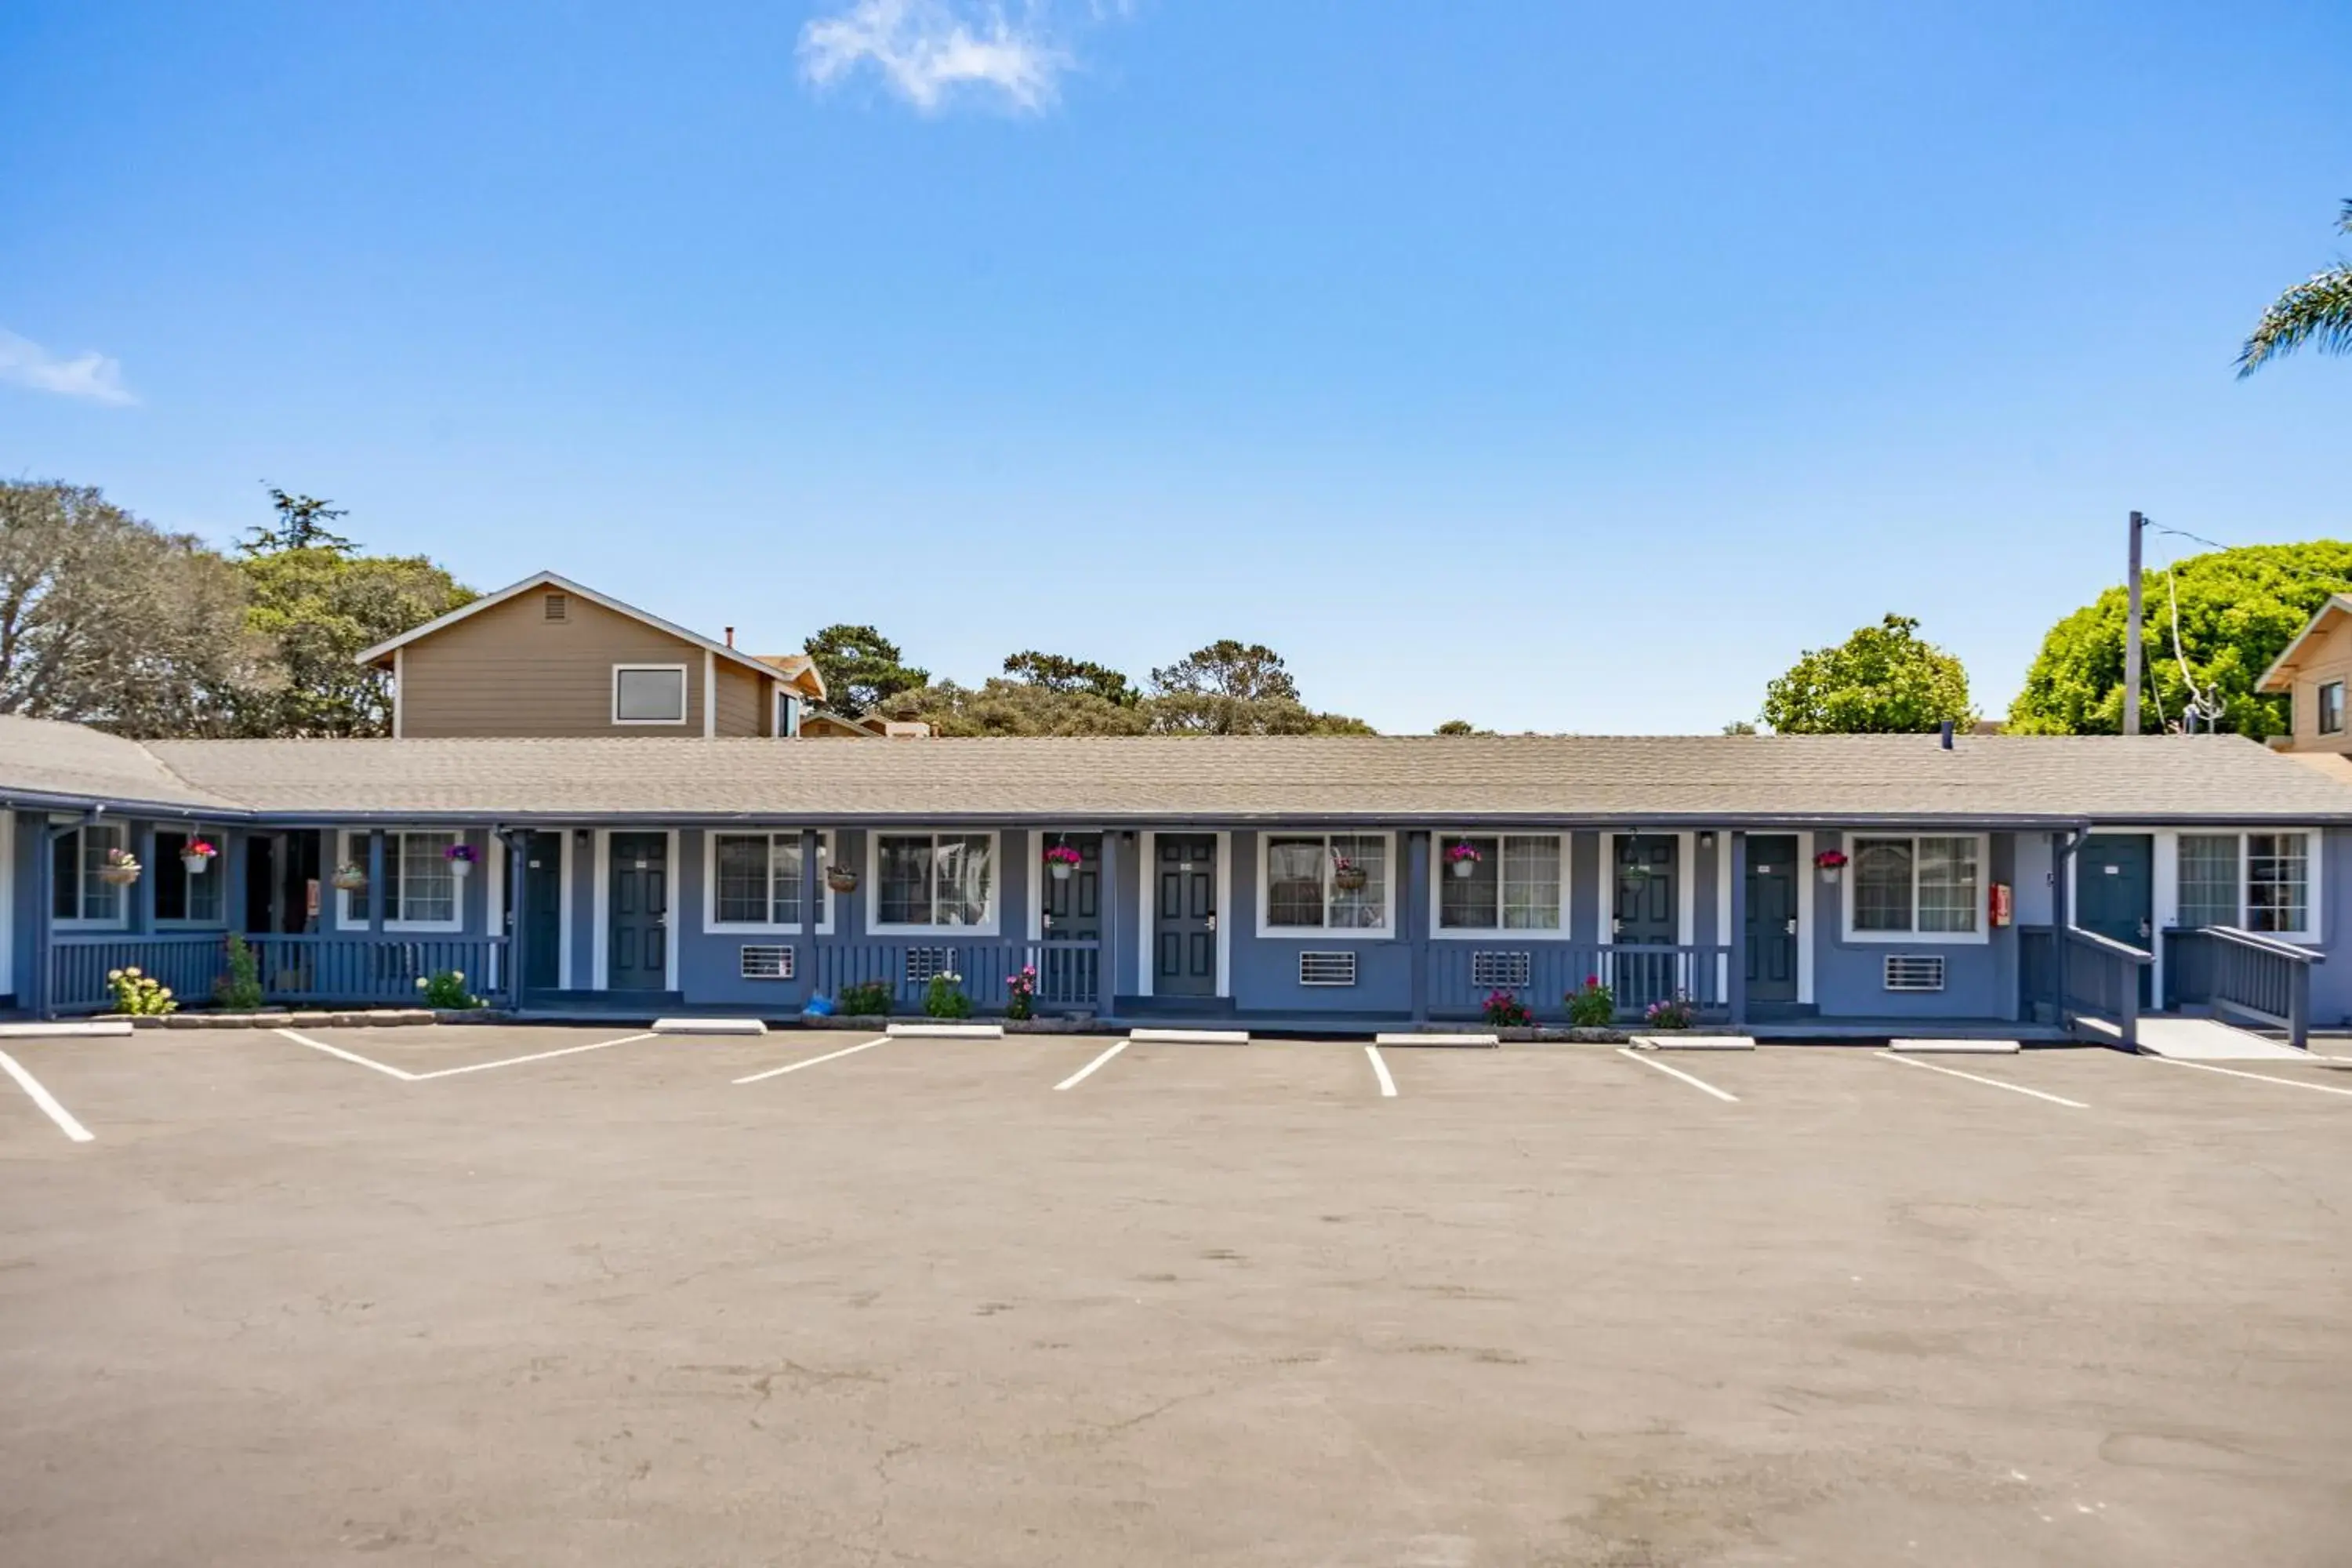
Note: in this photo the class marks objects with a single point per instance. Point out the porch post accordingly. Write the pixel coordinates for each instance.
(1736, 939)
(2062, 920)
(138, 898)
(375, 880)
(809, 906)
(1418, 870)
(511, 916)
(1107, 960)
(236, 875)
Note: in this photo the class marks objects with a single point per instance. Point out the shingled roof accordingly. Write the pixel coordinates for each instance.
(1984, 780)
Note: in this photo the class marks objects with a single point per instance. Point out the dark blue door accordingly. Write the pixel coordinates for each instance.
(638, 957)
(1073, 914)
(1771, 937)
(543, 912)
(1646, 912)
(2114, 884)
(1184, 916)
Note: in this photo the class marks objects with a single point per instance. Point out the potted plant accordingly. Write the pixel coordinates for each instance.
(1345, 875)
(198, 855)
(1831, 861)
(350, 877)
(121, 868)
(1061, 860)
(460, 857)
(1463, 858)
(841, 878)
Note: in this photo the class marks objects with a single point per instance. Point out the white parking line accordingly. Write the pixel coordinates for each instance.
(346, 1056)
(534, 1057)
(1972, 1078)
(813, 1061)
(1381, 1070)
(1632, 1055)
(45, 1099)
(1079, 1077)
(2258, 1076)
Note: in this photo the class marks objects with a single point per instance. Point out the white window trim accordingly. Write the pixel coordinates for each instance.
(2168, 891)
(218, 869)
(713, 926)
(1439, 872)
(1385, 932)
(121, 920)
(1850, 879)
(679, 669)
(872, 883)
(343, 920)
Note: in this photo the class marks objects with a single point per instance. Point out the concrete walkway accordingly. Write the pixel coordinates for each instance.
(2205, 1040)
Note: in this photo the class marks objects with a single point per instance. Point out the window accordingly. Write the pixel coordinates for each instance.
(2331, 707)
(77, 895)
(755, 880)
(1304, 878)
(2278, 882)
(935, 880)
(1926, 886)
(1512, 885)
(419, 887)
(2208, 879)
(649, 694)
(788, 714)
(183, 895)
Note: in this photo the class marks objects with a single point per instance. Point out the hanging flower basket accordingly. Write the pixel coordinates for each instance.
(1831, 862)
(1061, 860)
(198, 856)
(349, 877)
(460, 857)
(841, 879)
(1347, 876)
(121, 868)
(1462, 860)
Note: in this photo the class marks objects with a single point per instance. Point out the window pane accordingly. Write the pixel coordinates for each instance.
(2278, 881)
(100, 900)
(966, 879)
(64, 877)
(356, 903)
(2209, 878)
(1294, 882)
(2331, 707)
(649, 694)
(170, 876)
(1882, 884)
(904, 897)
(428, 889)
(784, 895)
(1531, 883)
(1948, 884)
(742, 878)
(1471, 903)
(1366, 909)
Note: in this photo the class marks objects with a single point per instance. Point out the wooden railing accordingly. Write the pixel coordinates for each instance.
(1069, 973)
(376, 970)
(2244, 972)
(2103, 981)
(1541, 974)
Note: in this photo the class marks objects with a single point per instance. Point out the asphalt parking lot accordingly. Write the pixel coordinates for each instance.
(536, 1296)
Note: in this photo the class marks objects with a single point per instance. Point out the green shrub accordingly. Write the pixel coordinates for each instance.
(1592, 1006)
(140, 994)
(944, 998)
(1504, 1010)
(867, 998)
(444, 991)
(239, 991)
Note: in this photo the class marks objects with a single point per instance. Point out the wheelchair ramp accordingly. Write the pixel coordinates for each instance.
(2208, 1040)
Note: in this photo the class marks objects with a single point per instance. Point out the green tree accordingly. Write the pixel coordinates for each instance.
(1231, 687)
(1247, 672)
(1883, 679)
(2238, 610)
(1739, 727)
(861, 669)
(2317, 310)
(1053, 672)
(1456, 727)
(301, 525)
(999, 707)
(106, 619)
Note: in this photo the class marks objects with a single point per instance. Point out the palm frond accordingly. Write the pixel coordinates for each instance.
(2317, 311)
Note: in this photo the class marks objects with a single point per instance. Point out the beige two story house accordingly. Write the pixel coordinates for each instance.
(547, 657)
(2314, 670)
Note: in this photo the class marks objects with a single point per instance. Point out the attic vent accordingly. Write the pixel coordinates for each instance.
(767, 963)
(1508, 970)
(558, 606)
(1915, 971)
(1327, 969)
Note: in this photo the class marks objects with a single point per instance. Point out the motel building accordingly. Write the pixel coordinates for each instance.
(589, 810)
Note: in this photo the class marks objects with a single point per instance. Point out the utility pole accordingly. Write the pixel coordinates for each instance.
(2131, 632)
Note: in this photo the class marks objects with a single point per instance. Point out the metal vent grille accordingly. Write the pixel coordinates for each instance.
(1915, 971)
(1503, 971)
(1327, 969)
(558, 606)
(922, 963)
(767, 963)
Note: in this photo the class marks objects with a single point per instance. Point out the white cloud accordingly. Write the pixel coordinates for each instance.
(933, 53)
(92, 376)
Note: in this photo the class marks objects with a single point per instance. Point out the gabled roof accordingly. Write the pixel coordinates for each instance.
(793, 669)
(2278, 677)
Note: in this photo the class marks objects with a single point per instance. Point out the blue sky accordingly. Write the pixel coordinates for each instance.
(1556, 367)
